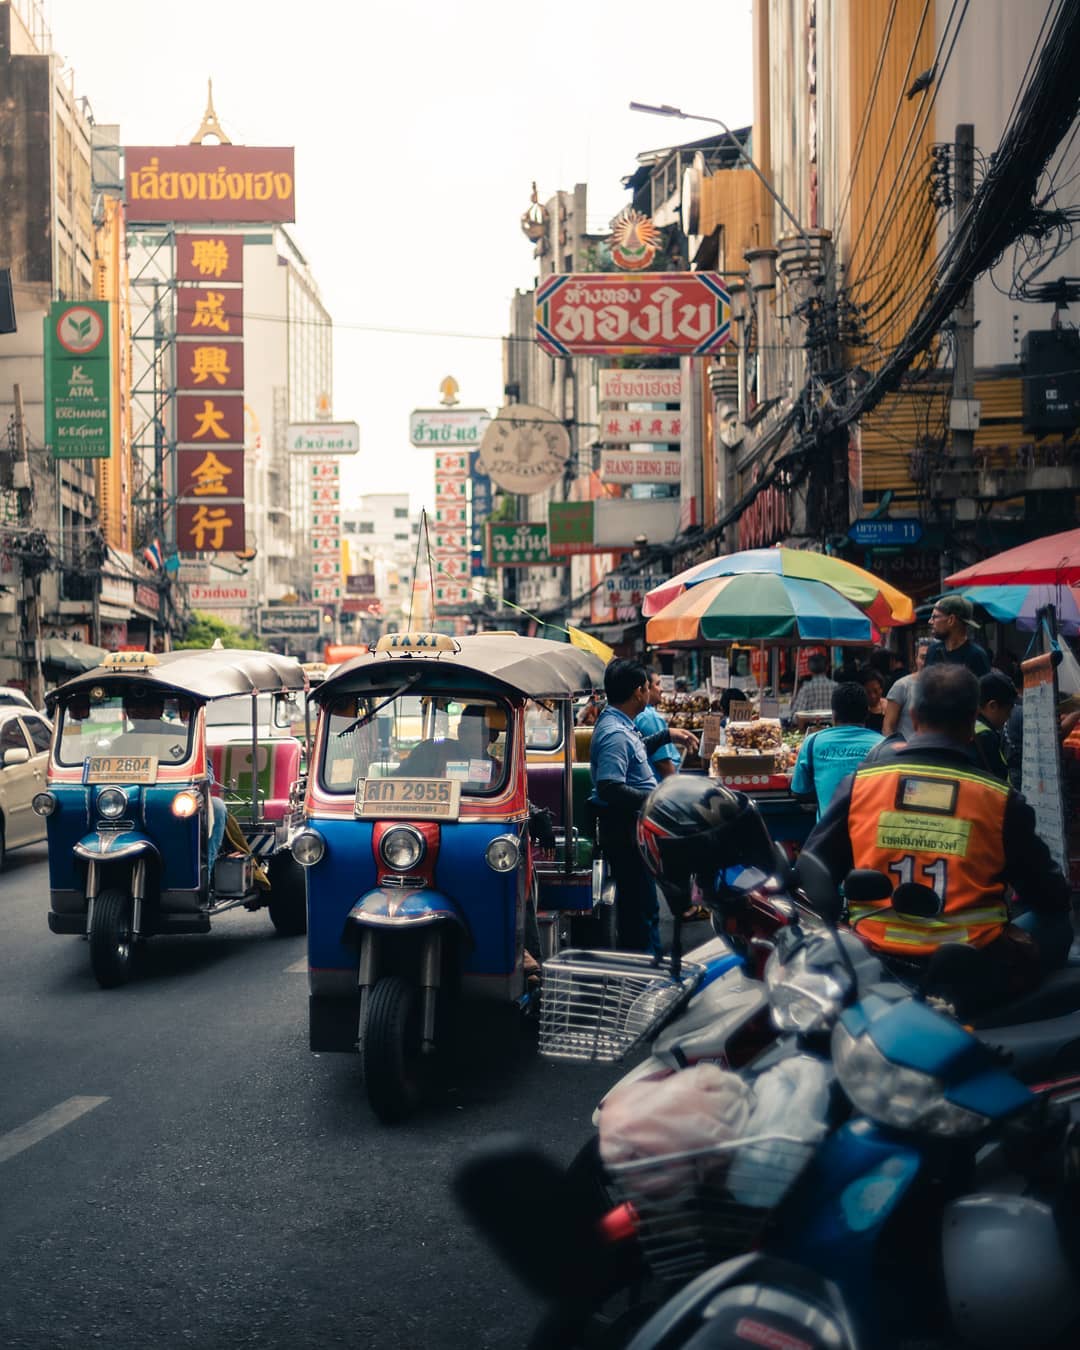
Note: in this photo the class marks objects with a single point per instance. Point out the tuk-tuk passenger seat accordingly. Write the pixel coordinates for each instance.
(280, 769)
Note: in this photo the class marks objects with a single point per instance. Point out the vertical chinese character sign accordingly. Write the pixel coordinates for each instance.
(451, 538)
(210, 513)
(324, 489)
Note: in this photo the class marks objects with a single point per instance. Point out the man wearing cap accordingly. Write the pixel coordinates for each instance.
(952, 617)
(997, 698)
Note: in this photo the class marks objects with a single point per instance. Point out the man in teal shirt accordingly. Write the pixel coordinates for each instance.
(667, 759)
(832, 753)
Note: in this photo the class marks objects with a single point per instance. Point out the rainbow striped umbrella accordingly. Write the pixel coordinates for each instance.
(883, 603)
(758, 607)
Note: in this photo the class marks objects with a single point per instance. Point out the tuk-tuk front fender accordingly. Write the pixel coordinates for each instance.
(115, 846)
(403, 908)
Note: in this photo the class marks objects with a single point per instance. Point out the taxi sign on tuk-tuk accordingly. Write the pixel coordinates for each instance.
(141, 769)
(130, 661)
(431, 798)
(417, 642)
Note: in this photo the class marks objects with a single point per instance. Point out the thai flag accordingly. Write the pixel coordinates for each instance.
(154, 555)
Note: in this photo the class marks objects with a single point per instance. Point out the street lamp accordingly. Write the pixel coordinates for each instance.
(666, 110)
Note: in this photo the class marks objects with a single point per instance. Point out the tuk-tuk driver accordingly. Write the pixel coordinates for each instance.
(479, 728)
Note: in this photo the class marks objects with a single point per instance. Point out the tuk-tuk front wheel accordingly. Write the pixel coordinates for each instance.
(112, 947)
(395, 1070)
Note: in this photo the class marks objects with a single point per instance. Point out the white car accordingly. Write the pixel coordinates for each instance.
(10, 697)
(25, 736)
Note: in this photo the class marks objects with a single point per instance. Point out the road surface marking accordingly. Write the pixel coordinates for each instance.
(34, 1131)
(297, 967)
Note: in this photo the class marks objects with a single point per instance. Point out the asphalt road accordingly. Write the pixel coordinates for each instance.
(178, 1170)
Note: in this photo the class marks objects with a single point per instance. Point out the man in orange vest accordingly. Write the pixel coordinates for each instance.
(923, 811)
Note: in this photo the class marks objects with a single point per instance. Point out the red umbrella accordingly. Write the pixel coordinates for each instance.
(1052, 560)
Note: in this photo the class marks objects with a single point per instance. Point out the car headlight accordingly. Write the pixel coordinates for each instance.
(308, 847)
(892, 1094)
(185, 803)
(502, 854)
(402, 847)
(802, 997)
(112, 803)
(44, 803)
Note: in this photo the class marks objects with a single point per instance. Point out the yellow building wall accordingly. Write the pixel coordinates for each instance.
(735, 200)
(113, 475)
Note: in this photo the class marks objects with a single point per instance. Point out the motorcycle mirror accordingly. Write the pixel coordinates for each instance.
(916, 901)
(865, 885)
(815, 881)
(530, 1211)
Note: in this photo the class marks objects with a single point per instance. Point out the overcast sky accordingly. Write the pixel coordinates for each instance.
(418, 128)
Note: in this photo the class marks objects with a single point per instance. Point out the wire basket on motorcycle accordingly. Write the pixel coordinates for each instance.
(598, 1006)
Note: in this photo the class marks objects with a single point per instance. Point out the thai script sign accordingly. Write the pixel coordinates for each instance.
(658, 313)
(78, 380)
(571, 525)
(448, 426)
(626, 428)
(521, 544)
(623, 596)
(219, 595)
(209, 183)
(640, 386)
(525, 449)
(632, 466)
(766, 520)
(360, 583)
(209, 257)
(898, 530)
(322, 438)
(291, 619)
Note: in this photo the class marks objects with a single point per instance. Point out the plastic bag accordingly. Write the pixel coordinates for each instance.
(791, 1098)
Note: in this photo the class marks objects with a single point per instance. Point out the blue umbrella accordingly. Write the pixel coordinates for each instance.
(1021, 604)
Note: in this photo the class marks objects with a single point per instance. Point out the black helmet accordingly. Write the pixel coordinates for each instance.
(693, 827)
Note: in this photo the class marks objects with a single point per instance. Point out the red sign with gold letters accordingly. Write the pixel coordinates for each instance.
(209, 183)
(210, 473)
(208, 365)
(210, 419)
(209, 257)
(210, 312)
(211, 527)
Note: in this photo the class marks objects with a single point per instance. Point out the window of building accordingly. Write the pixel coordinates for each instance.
(365, 527)
(402, 536)
(349, 527)
(401, 513)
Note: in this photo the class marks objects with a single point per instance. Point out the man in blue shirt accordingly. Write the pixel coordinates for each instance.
(622, 778)
(667, 759)
(832, 753)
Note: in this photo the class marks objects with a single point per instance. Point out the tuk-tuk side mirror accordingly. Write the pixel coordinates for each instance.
(16, 756)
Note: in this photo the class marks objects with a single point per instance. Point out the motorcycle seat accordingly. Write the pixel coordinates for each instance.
(1057, 996)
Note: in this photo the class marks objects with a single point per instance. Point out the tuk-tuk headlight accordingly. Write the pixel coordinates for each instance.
(44, 803)
(308, 847)
(402, 847)
(185, 804)
(502, 854)
(112, 803)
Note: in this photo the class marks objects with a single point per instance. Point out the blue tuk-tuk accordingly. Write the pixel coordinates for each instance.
(139, 744)
(436, 854)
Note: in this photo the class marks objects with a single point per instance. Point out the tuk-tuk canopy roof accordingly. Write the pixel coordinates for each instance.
(202, 675)
(503, 663)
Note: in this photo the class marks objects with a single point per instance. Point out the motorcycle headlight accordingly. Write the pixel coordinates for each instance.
(402, 847)
(894, 1095)
(803, 997)
(44, 803)
(308, 847)
(112, 803)
(185, 804)
(502, 853)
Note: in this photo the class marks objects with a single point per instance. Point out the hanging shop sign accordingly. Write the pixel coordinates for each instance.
(78, 380)
(209, 365)
(209, 311)
(148, 598)
(767, 519)
(570, 526)
(209, 257)
(360, 583)
(634, 240)
(525, 449)
(521, 544)
(285, 620)
(640, 386)
(209, 183)
(322, 438)
(221, 595)
(211, 527)
(210, 419)
(462, 427)
(657, 313)
(210, 473)
(636, 466)
(480, 507)
(653, 428)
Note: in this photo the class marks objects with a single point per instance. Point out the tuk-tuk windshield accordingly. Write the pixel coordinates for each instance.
(141, 721)
(417, 736)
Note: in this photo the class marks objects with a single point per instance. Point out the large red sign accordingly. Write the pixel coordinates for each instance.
(209, 311)
(656, 314)
(210, 527)
(211, 183)
(210, 419)
(209, 365)
(210, 473)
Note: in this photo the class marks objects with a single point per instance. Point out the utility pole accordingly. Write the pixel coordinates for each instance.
(31, 575)
(964, 413)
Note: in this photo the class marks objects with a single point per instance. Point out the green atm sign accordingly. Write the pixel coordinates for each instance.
(78, 380)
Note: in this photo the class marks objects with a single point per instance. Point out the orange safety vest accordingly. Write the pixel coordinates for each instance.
(943, 828)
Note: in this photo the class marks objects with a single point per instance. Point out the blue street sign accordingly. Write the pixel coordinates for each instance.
(874, 533)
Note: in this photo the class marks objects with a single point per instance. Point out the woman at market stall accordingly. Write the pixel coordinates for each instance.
(874, 688)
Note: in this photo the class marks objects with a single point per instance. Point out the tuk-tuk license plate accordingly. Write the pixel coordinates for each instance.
(431, 798)
(120, 769)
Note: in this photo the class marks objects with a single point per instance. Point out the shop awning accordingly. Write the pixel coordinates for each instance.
(71, 656)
